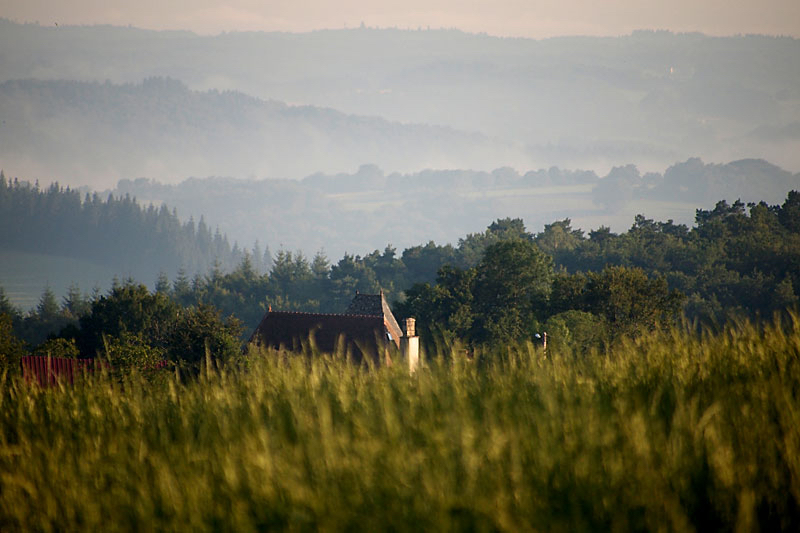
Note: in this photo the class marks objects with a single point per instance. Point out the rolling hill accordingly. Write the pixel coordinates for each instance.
(96, 133)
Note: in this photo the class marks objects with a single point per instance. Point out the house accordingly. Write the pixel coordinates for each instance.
(367, 329)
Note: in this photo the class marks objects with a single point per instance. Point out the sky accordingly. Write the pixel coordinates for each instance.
(513, 18)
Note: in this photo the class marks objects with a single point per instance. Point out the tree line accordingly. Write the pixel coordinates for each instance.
(357, 211)
(116, 231)
(130, 326)
(502, 284)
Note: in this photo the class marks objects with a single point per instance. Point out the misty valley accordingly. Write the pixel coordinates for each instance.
(593, 244)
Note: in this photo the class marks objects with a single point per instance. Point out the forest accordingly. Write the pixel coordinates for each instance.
(115, 231)
(502, 285)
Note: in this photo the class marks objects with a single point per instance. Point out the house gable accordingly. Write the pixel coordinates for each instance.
(376, 305)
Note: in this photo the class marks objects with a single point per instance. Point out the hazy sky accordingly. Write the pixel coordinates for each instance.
(529, 18)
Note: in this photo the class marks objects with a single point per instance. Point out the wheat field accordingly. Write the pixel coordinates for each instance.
(677, 431)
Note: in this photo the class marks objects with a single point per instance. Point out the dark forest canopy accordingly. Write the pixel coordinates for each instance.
(114, 231)
(506, 284)
(737, 259)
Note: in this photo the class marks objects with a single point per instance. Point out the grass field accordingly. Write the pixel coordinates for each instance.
(676, 432)
(25, 275)
(542, 205)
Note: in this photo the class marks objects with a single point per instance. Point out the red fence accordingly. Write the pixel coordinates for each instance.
(50, 370)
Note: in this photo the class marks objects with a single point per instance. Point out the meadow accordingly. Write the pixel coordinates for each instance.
(538, 205)
(23, 273)
(675, 431)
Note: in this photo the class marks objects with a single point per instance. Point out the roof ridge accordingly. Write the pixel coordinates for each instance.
(321, 314)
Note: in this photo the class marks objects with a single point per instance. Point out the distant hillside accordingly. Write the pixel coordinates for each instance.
(364, 210)
(56, 236)
(696, 183)
(650, 98)
(93, 133)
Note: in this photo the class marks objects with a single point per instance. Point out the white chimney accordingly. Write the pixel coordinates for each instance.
(409, 345)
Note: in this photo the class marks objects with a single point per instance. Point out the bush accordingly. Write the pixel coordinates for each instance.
(201, 331)
(57, 347)
(577, 331)
(11, 348)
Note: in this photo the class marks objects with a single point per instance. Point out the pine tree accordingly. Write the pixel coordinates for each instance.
(267, 260)
(162, 283)
(6, 307)
(47, 308)
(181, 288)
(75, 303)
(257, 258)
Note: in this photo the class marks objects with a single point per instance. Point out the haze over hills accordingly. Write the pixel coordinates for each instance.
(262, 133)
(358, 212)
(97, 133)
(56, 241)
(650, 98)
